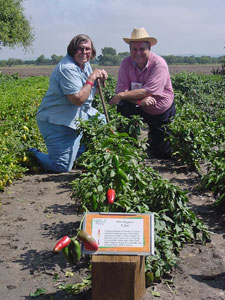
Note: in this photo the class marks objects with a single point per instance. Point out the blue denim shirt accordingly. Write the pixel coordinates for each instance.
(67, 78)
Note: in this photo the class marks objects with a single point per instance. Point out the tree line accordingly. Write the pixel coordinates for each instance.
(15, 30)
(41, 60)
(110, 57)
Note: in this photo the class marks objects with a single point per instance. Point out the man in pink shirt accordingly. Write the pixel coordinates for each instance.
(144, 88)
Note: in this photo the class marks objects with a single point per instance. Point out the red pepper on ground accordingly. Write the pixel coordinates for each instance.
(111, 196)
(62, 243)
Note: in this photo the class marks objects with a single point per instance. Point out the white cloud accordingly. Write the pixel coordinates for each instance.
(180, 26)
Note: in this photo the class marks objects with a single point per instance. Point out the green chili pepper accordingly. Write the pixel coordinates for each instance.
(116, 161)
(75, 250)
(122, 174)
(94, 202)
(149, 278)
(67, 254)
(123, 182)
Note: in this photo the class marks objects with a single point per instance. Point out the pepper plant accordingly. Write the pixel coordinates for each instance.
(116, 161)
(214, 180)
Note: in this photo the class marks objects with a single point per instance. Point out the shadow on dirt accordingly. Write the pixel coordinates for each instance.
(162, 166)
(64, 179)
(42, 261)
(63, 209)
(211, 218)
(45, 261)
(57, 230)
(215, 281)
(86, 295)
(171, 167)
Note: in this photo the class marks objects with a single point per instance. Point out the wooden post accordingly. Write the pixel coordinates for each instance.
(118, 277)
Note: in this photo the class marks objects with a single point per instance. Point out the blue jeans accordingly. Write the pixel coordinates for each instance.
(63, 145)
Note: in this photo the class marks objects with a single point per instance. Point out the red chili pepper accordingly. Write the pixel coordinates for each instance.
(111, 196)
(92, 246)
(88, 240)
(62, 243)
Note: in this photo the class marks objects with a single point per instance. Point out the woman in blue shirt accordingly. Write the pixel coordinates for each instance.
(69, 98)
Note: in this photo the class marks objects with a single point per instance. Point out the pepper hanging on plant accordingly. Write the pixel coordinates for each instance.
(68, 255)
(75, 250)
(111, 196)
(88, 240)
(116, 161)
(122, 174)
(94, 203)
(62, 243)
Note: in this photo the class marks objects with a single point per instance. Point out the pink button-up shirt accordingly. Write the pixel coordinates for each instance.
(155, 79)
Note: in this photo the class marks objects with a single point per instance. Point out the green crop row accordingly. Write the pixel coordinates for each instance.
(18, 129)
(198, 131)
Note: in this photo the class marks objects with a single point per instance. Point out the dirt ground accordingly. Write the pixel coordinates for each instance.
(37, 210)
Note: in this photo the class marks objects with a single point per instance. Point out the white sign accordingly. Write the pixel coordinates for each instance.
(118, 232)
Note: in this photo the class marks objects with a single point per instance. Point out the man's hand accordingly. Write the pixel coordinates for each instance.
(148, 101)
(115, 100)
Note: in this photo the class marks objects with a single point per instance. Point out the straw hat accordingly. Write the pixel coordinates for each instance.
(140, 34)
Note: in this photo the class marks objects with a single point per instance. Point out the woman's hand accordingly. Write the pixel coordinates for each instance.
(99, 73)
(79, 98)
(104, 74)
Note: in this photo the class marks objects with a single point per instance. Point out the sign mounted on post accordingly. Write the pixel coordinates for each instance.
(118, 233)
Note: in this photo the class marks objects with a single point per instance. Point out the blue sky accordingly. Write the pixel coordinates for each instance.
(181, 26)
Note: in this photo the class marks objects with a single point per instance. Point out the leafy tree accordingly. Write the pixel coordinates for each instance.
(123, 55)
(203, 59)
(222, 69)
(14, 61)
(109, 60)
(15, 29)
(109, 57)
(2, 63)
(108, 51)
(41, 60)
(56, 59)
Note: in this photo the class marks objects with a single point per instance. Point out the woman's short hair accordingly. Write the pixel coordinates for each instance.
(75, 42)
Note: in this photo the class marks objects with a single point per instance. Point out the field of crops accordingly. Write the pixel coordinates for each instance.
(115, 155)
(34, 70)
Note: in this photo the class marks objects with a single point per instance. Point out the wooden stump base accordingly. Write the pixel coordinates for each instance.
(118, 277)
